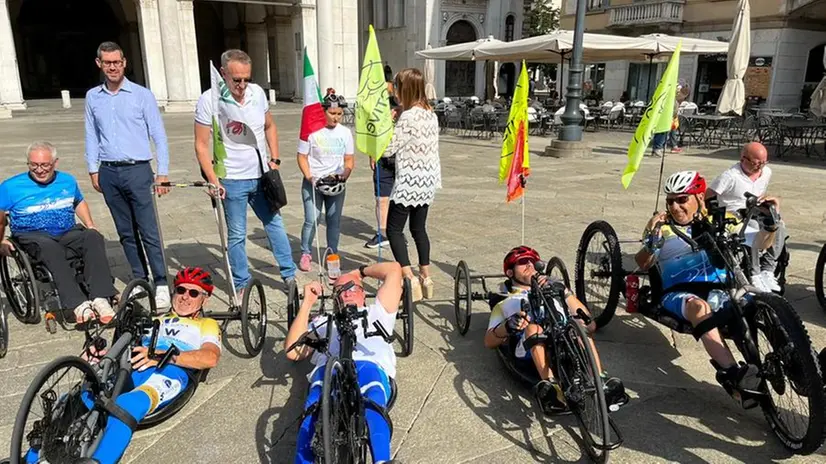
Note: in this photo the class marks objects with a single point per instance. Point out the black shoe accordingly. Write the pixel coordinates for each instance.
(615, 395)
(550, 397)
(742, 382)
(376, 242)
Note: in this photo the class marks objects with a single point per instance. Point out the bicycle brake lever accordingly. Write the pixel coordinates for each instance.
(580, 314)
(380, 330)
(153, 340)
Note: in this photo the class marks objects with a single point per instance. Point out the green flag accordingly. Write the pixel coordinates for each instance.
(374, 122)
(218, 92)
(656, 119)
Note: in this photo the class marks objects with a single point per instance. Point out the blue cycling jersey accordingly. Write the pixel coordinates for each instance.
(678, 264)
(36, 207)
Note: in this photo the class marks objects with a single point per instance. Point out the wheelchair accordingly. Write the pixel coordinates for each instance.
(75, 397)
(405, 314)
(4, 332)
(764, 327)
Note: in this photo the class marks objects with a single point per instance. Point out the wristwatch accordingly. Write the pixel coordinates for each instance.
(361, 271)
(277, 161)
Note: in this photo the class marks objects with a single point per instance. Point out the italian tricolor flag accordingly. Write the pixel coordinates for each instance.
(312, 117)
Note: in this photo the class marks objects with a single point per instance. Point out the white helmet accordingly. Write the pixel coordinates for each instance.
(330, 186)
(688, 182)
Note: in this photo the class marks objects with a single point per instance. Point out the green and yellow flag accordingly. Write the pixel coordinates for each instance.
(656, 119)
(218, 92)
(514, 162)
(374, 122)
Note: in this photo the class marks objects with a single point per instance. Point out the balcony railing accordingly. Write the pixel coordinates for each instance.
(662, 11)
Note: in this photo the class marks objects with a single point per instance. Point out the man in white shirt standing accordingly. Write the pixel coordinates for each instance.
(241, 186)
(751, 175)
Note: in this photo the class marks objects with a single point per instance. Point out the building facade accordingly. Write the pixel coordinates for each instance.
(787, 42)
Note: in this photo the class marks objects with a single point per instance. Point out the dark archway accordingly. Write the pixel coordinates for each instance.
(460, 76)
(209, 29)
(56, 44)
(814, 66)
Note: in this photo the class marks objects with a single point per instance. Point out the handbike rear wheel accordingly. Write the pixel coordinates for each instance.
(598, 272)
(254, 318)
(339, 425)
(461, 297)
(4, 333)
(819, 289)
(790, 370)
(62, 428)
(407, 318)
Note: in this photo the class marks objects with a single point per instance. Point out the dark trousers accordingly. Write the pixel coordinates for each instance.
(55, 253)
(396, 218)
(128, 194)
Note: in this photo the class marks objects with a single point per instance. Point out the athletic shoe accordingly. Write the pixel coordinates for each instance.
(550, 397)
(375, 242)
(306, 262)
(162, 298)
(103, 309)
(758, 283)
(770, 281)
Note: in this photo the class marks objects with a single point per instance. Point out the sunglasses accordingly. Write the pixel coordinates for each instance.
(242, 80)
(353, 289)
(193, 293)
(681, 200)
(524, 261)
(756, 164)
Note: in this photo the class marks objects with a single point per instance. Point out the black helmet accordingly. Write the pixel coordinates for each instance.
(332, 100)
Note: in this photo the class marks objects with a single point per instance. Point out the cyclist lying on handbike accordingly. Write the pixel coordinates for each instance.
(199, 341)
(509, 321)
(681, 269)
(374, 357)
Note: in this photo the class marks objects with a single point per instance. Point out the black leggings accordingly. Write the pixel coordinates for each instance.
(396, 218)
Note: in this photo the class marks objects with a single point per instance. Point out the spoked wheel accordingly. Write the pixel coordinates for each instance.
(598, 272)
(556, 269)
(54, 420)
(4, 333)
(780, 270)
(584, 392)
(137, 302)
(341, 426)
(407, 318)
(254, 317)
(293, 302)
(20, 286)
(819, 290)
(461, 297)
(795, 407)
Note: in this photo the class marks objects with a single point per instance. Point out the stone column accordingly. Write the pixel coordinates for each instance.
(379, 14)
(189, 48)
(395, 13)
(258, 50)
(134, 56)
(324, 29)
(152, 46)
(11, 94)
(297, 40)
(274, 51)
(173, 57)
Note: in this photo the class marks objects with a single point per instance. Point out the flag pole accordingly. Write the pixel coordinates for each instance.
(378, 211)
(659, 182)
(523, 218)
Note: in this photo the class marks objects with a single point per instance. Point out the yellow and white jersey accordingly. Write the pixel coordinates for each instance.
(186, 333)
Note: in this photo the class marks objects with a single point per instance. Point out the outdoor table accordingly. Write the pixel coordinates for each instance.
(710, 125)
(801, 133)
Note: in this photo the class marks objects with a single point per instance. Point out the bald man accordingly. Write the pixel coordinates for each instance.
(751, 174)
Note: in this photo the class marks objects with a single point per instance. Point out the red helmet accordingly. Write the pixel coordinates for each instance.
(685, 182)
(196, 276)
(517, 254)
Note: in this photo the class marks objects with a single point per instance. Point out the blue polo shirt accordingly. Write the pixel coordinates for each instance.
(35, 207)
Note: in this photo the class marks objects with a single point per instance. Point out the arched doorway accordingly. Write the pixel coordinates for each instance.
(460, 76)
(56, 43)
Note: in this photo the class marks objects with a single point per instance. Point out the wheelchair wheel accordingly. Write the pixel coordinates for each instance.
(407, 318)
(584, 392)
(293, 303)
(254, 317)
(54, 416)
(20, 285)
(598, 272)
(819, 289)
(4, 333)
(340, 424)
(791, 373)
(557, 270)
(461, 297)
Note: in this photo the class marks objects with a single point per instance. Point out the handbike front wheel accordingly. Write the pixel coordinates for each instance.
(792, 377)
(598, 272)
(407, 318)
(556, 269)
(54, 413)
(293, 302)
(339, 423)
(4, 333)
(819, 289)
(461, 297)
(254, 317)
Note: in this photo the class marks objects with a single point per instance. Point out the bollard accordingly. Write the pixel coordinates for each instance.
(272, 97)
(5, 113)
(67, 103)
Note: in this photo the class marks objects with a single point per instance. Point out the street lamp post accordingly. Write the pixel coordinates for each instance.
(572, 130)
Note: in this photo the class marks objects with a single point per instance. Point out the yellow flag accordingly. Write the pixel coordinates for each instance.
(514, 162)
(656, 119)
(374, 122)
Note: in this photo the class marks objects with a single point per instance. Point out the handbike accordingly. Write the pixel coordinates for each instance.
(251, 309)
(75, 398)
(344, 437)
(764, 327)
(819, 284)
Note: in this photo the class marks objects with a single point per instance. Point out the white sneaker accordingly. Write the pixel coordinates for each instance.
(758, 283)
(83, 312)
(162, 298)
(770, 280)
(104, 310)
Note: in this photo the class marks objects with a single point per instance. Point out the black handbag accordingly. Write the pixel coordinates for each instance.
(272, 186)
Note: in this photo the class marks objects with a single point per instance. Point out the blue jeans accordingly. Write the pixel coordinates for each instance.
(665, 138)
(239, 194)
(333, 206)
(127, 191)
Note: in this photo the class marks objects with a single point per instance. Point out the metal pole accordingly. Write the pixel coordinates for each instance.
(571, 130)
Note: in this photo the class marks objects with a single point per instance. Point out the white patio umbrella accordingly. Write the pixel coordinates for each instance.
(664, 44)
(455, 52)
(733, 97)
(429, 77)
(554, 47)
(818, 103)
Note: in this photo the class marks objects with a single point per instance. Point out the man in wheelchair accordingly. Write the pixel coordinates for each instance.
(199, 341)
(751, 175)
(42, 204)
(509, 323)
(688, 277)
(374, 358)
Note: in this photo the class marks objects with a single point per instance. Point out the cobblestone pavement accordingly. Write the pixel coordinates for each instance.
(456, 402)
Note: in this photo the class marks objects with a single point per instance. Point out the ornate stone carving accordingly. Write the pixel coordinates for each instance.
(470, 3)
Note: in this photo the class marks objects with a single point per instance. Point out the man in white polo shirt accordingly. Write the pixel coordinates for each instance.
(752, 175)
(246, 105)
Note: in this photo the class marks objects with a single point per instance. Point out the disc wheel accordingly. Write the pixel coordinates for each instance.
(795, 404)
(557, 270)
(461, 297)
(20, 286)
(254, 317)
(819, 289)
(407, 318)
(293, 302)
(598, 272)
(54, 416)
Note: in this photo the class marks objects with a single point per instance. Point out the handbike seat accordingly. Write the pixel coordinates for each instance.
(494, 298)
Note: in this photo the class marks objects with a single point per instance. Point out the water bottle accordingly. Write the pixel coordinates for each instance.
(333, 267)
(632, 293)
(717, 299)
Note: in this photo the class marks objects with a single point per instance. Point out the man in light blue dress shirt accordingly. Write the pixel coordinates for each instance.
(121, 116)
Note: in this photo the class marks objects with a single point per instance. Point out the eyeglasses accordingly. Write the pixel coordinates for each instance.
(112, 64)
(241, 80)
(756, 164)
(524, 261)
(681, 200)
(193, 293)
(353, 289)
(43, 166)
